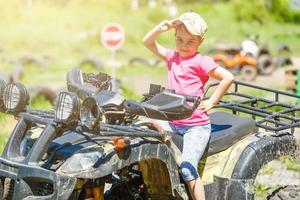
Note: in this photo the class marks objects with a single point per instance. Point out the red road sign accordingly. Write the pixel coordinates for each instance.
(112, 36)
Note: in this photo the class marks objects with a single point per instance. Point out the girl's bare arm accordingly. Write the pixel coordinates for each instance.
(225, 78)
(149, 39)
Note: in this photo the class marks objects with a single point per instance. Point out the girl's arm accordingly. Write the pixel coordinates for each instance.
(149, 39)
(225, 78)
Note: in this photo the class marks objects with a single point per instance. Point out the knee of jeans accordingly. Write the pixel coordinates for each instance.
(188, 171)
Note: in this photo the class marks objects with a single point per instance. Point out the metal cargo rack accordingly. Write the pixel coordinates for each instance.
(271, 115)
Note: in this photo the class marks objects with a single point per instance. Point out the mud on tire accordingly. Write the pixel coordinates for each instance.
(248, 73)
(290, 192)
(265, 65)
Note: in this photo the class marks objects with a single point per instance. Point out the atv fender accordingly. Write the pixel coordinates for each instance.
(260, 152)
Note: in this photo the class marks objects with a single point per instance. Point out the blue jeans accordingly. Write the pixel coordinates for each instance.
(195, 140)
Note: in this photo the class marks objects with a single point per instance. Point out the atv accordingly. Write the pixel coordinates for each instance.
(231, 58)
(95, 144)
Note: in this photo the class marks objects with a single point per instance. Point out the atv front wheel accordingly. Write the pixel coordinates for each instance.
(1, 189)
(290, 192)
(8, 189)
(265, 65)
(248, 73)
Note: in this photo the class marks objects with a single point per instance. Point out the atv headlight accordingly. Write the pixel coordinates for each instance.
(2, 87)
(15, 97)
(67, 107)
(90, 113)
(81, 161)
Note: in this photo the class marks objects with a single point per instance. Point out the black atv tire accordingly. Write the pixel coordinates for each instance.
(49, 94)
(234, 70)
(290, 192)
(221, 63)
(8, 189)
(157, 62)
(32, 60)
(92, 61)
(135, 61)
(284, 61)
(248, 73)
(17, 74)
(265, 64)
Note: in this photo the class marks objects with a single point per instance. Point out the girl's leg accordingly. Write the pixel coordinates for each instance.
(161, 124)
(195, 141)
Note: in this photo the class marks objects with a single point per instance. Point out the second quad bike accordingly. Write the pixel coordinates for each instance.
(231, 58)
(95, 144)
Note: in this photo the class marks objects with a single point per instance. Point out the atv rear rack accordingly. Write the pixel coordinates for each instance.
(272, 115)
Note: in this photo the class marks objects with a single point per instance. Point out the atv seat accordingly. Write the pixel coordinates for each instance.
(227, 129)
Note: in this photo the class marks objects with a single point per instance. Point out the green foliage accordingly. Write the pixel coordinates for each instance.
(282, 11)
(291, 163)
(6, 124)
(40, 102)
(261, 190)
(266, 169)
(250, 10)
(129, 94)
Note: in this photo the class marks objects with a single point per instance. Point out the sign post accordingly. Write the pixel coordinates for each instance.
(112, 37)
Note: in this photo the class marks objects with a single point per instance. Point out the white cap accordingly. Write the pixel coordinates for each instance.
(194, 23)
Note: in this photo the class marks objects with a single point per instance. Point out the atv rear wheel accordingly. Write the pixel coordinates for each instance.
(248, 73)
(290, 192)
(265, 65)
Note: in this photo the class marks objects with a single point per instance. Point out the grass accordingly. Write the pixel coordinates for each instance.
(266, 169)
(290, 163)
(7, 124)
(261, 190)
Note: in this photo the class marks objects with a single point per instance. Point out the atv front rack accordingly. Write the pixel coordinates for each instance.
(270, 114)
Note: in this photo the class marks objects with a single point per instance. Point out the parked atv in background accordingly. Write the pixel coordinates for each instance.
(266, 63)
(96, 144)
(231, 58)
(284, 56)
(250, 53)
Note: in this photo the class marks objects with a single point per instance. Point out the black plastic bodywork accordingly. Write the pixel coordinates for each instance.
(164, 106)
(227, 129)
(26, 172)
(259, 153)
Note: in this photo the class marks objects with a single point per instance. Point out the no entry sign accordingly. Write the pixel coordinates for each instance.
(112, 36)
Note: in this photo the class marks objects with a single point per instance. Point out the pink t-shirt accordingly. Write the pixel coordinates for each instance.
(188, 76)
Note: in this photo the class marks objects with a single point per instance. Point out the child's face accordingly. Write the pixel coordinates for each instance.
(186, 43)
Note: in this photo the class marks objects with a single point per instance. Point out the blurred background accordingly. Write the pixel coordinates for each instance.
(40, 40)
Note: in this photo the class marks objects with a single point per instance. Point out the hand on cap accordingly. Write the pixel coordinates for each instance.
(165, 26)
(175, 23)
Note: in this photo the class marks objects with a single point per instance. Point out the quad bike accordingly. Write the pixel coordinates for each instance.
(255, 55)
(231, 58)
(265, 63)
(97, 145)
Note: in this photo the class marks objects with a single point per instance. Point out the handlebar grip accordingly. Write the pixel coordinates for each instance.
(193, 99)
(132, 107)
